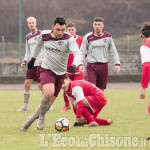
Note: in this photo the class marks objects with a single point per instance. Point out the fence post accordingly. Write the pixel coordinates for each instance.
(3, 53)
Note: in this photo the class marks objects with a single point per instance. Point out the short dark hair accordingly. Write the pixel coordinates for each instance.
(60, 20)
(145, 29)
(98, 19)
(71, 24)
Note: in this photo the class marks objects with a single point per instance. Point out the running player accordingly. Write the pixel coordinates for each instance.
(57, 45)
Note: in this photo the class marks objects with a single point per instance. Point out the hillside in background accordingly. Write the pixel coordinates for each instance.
(122, 17)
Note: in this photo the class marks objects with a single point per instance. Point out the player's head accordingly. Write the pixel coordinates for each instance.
(31, 22)
(71, 28)
(66, 83)
(98, 25)
(59, 27)
(145, 30)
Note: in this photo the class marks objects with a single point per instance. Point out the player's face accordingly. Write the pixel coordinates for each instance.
(65, 85)
(32, 25)
(72, 30)
(58, 30)
(98, 27)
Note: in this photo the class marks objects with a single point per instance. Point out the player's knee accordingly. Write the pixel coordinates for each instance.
(48, 94)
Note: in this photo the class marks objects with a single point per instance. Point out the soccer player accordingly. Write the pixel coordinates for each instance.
(34, 74)
(71, 28)
(145, 58)
(97, 44)
(87, 99)
(57, 46)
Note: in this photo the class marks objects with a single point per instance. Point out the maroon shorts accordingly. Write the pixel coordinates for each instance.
(80, 76)
(97, 73)
(34, 73)
(96, 102)
(47, 76)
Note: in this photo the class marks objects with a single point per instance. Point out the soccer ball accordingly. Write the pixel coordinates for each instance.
(62, 124)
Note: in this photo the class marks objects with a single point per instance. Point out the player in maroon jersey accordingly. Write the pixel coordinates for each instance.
(34, 74)
(87, 99)
(71, 28)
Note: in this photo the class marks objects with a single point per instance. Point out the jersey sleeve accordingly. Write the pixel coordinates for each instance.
(113, 52)
(73, 46)
(145, 74)
(27, 53)
(83, 48)
(77, 92)
(38, 47)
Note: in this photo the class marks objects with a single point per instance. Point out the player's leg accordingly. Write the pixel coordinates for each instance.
(31, 119)
(102, 77)
(91, 72)
(52, 84)
(27, 86)
(86, 116)
(48, 90)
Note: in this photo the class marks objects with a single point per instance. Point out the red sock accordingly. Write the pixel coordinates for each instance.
(100, 121)
(66, 100)
(149, 109)
(86, 114)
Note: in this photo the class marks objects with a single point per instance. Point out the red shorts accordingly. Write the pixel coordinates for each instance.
(80, 76)
(34, 73)
(96, 102)
(47, 76)
(97, 73)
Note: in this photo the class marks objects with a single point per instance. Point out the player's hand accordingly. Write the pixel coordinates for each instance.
(81, 69)
(41, 60)
(72, 69)
(142, 94)
(117, 68)
(23, 64)
(31, 63)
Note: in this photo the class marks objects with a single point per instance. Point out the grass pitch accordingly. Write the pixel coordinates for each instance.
(130, 115)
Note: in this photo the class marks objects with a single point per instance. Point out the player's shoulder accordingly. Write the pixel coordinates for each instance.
(88, 35)
(46, 31)
(67, 36)
(107, 34)
(147, 43)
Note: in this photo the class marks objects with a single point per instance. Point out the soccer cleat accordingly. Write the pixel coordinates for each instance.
(65, 108)
(26, 125)
(40, 124)
(51, 108)
(93, 124)
(23, 109)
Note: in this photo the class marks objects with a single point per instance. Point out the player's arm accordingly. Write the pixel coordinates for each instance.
(114, 54)
(27, 54)
(77, 92)
(37, 49)
(145, 79)
(73, 46)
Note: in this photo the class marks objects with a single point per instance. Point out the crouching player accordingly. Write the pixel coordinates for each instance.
(87, 99)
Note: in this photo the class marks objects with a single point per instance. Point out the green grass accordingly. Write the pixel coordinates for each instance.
(124, 107)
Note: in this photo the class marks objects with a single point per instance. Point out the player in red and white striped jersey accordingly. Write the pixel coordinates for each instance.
(71, 28)
(87, 99)
(145, 58)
